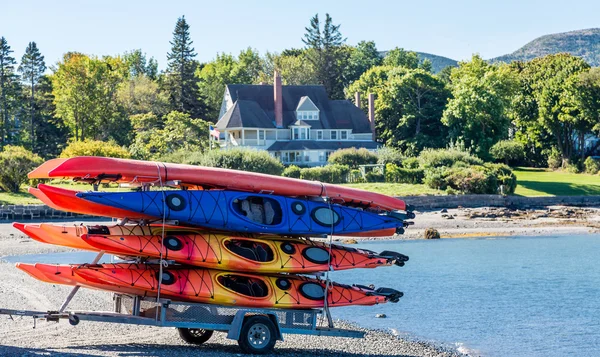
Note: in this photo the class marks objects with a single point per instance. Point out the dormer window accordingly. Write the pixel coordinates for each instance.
(307, 110)
(300, 133)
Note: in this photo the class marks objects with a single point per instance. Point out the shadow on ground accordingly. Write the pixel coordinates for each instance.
(209, 349)
(561, 188)
(26, 352)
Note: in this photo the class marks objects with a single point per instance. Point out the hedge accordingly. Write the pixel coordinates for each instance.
(397, 174)
(352, 157)
(329, 173)
(244, 159)
(446, 157)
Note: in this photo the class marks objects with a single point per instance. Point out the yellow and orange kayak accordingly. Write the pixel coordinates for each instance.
(217, 287)
(264, 254)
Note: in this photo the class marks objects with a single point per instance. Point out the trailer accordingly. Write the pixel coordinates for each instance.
(255, 329)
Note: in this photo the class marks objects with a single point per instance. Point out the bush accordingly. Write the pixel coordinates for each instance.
(94, 148)
(352, 157)
(388, 155)
(292, 171)
(592, 166)
(394, 173)
(510, 152)
(446, 157)
(15, 163)
(474, 180)
(573, 167)
(504, 176)
(355, 176)
(329, 173)
(554, 159)
(244, 159)
(410, 163)
(436, 178)
(375, 176)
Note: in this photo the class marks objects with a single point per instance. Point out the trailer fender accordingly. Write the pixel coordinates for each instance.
(241, 316)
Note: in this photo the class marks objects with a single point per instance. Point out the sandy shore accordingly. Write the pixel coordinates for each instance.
(19, 338)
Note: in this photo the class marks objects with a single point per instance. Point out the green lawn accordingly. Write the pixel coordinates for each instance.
(24, 198)
(397, 189)
(540, 182)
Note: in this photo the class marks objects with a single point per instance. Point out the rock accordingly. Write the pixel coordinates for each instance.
(381, 316)
(350, 241)
(444, 210)
(432, 233)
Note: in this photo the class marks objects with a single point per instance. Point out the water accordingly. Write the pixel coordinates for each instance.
(518, 296)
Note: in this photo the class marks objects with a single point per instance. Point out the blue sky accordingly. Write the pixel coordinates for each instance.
(454, 29)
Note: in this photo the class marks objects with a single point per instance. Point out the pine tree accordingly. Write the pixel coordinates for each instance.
(325, 52)
(9, 88)
(181, 81)
(32, 68)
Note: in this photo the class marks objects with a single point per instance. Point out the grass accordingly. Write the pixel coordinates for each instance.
(540, 182)
(397, 189)
(25, 198)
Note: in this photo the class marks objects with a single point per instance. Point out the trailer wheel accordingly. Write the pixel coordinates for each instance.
(258, 335)
(74, 320)
(194, 336)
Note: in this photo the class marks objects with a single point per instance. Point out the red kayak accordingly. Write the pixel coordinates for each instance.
(97, 169)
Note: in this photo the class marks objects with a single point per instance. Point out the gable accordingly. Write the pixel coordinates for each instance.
(306, 104)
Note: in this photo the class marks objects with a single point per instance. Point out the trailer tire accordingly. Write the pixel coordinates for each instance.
(258, 335)
(74, 320)
(194, 336)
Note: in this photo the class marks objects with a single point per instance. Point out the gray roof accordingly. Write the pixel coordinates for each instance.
(306, 104)
(302, 123)
(334, 114)
(300, 145)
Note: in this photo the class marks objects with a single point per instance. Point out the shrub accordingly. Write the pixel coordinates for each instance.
(592, 166)
(446, 157)
(510, 152)
(432, 233)
(435, 178)
(394, 173)
(94, 148)
(389, 155)
(244, 159)
(15, 163)
(504, 176)
(292, 171)
(410, 163)
(375, 176)
(355, 176)
(475, 180)
(554, 159)
(573, 167)
(353, 157)
(329, 173)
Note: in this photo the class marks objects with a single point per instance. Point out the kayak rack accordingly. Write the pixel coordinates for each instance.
(256, 329)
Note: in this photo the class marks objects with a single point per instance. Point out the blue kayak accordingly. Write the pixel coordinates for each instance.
(248, 212)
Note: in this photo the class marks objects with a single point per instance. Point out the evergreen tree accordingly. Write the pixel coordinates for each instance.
(32, 68)
(139, 65)
(9, 88)
(325, 52)
(180, 81)
(51, 133)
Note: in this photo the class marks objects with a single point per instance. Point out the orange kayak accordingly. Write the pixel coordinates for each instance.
(97, 169)
(264, 254)
(213, 286)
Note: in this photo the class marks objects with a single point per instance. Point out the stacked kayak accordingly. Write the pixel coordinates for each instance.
(215, 236)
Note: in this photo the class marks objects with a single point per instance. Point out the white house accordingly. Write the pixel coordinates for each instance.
(297, 124)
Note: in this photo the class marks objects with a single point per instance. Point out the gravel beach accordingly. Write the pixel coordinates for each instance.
(19, 338)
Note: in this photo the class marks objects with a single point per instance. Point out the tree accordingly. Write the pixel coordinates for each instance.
(85, 91)
(180, 81)
(15, 163)
(32, 68)
(325, 52)
(138, 65)
(50, 132)
(398, 57)
(556, 88)
(140, 95)
(226, 69)
(9, 89)
(478, 112)
(362, 58)
(293, 67)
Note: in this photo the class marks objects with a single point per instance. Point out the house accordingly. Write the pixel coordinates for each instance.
(297, 124)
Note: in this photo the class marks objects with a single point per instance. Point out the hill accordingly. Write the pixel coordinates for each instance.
(437, 62)
(582, 43)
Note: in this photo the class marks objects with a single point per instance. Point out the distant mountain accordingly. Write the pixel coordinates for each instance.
(582, 43)
(437, 62)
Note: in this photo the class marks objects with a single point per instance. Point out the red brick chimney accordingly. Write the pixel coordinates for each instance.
(357, 99)
(372, 114)
(278, 100)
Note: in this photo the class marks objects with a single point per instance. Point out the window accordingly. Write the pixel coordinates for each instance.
(305, 115)
(344, 135)
(299, 115)
(334, 135)
(319, 134)
(303, 135)
(261, 135)
(322, 156)
(295, 133)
